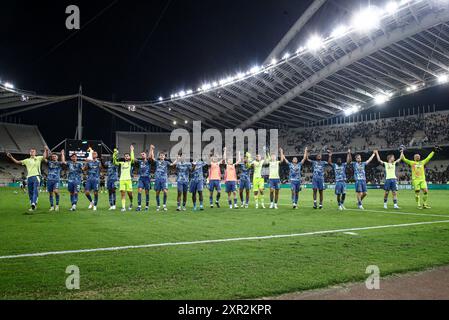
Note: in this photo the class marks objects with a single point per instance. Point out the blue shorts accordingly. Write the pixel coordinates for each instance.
(318, 183)
(74, 187)
(214, 184)
(144, 183)
(340, 188)
(391, 185)
(183, 187)
(245, 184)
(112, 184)
(360, 186)
(92, 184)
(161, 185)
(296, 186)
(52, 185)
(196, 186)
(275, 184)
(231, 186)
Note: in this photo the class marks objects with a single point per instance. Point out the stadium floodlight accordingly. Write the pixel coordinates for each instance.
(300, 50)
(207, 86)
(254, 69)
(315, 43)
(169, 109)
(392, 7)
(189, 91)
(381, 99)
(274, 61)
(240, 75)
(182, 93)
(186, 121)
(175, 123)
(8, 85)
(367, 19)
(339, 31)
(352, 110)
(161, 99)
(443, 78)
(286, 56)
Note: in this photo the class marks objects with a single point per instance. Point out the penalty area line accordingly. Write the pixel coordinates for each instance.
(174, 244)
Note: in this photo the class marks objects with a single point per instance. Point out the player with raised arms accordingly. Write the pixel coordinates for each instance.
(245, 180)
(74, 179)
(161, 178)
(126, 180)
(111, 184)
(391, 180)
(318, 167)
(258, 180)
(54, 179)
(419, 176)
(144, 184)
(183, 169)
(361, 188)
(295, 175)
(231, 180)
(33, 166)
(215, 179)
(197, 184)
(340, 178)
(275, 180)
(93, 168)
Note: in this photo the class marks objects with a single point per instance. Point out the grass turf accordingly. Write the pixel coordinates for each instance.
(234, 270)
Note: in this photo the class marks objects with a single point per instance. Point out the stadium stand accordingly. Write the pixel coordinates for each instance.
(19, 139)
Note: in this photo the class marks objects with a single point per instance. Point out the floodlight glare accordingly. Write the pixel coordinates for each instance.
(315, 43)
(339, 31)
(367, 19)
(9, 85)
(381, 99)
(391, 7)
(443, 79)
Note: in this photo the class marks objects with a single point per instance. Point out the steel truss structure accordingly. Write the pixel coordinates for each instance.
(408, 51)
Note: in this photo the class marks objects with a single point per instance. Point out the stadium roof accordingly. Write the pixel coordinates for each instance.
(384, 52)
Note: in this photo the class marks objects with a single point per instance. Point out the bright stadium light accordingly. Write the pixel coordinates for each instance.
(352, 110)
(175, 123)
(392, 7)
(443, 79)
(274, 61)
(339, 31)
(240, 75)
(189, 91)
(315, 43)
(8, 85)
(254, 69)
(286, 56)
(381, 99)
(161, 99)
(366, 19)
(186, 121)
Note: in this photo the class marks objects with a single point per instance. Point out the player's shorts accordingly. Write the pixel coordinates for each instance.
(112, 184)
(391, 185)
(126, 185)
(144, 183)
(215, 184)
(275, 184)
(231, 186)
(295, 186)
(318, 183)
(161, 185)
(196, 186)
(92, 185)
(52, 185)
(245, 184)
(73, 187)
(420, 185)
(259, 184)
(340, 188)
(360, 186)
(183, 187)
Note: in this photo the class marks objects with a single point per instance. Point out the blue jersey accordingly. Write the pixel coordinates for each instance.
(183, 169)
(340, 172)
(295, 171)
(245, 172)
(93, 169)
(144, 168)
(198, 173)
(112, 171)
(75, 172)
(318, 169)
(162, 169)
(359, 171)
(54, 171)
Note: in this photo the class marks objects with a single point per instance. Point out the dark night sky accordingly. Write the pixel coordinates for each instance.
(117, 57)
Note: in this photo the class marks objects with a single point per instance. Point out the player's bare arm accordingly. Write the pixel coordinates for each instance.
(9, 155)
(371, 158)
(329, 161)
(306, 152)
(349, 157)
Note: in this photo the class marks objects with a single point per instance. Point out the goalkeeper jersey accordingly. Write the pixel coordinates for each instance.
(126, 167)
(418, 167)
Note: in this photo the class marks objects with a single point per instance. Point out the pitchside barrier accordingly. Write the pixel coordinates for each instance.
(287, 186)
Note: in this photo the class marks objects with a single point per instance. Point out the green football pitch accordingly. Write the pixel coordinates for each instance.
(214, 254)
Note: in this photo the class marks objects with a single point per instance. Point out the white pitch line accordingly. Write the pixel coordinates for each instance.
(172, 244)
(402, 213)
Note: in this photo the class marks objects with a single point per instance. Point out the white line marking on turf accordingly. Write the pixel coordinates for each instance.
(402, 213)
(351, 233)
(172, 244)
